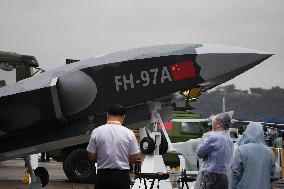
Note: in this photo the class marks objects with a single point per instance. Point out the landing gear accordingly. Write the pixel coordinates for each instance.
(39, 176)
(78, 168)
(43, 175)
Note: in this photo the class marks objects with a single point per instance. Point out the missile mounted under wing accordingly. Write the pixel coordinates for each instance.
(57, 108)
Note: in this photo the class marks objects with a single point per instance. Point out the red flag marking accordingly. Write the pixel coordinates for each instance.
(182, 70)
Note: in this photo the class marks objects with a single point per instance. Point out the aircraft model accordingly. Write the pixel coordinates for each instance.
(59, 108)
(52, 106)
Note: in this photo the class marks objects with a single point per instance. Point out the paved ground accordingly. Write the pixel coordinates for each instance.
(51, 185)
(11, 173)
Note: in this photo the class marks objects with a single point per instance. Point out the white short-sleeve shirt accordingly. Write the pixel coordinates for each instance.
(113, 144)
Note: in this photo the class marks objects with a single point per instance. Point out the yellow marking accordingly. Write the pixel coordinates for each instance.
(282, 158)
(26, 178)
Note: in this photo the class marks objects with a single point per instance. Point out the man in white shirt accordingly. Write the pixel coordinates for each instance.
(113, 146)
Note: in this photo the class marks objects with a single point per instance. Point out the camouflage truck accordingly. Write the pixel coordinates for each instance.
(15, 67)
(181, 132)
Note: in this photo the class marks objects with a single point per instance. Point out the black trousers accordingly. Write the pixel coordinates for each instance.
(112, 179)
(208, 180)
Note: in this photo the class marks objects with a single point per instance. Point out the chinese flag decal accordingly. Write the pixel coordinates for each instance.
(182, 70)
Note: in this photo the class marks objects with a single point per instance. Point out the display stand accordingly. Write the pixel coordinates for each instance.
(35, 182)
(153, 170)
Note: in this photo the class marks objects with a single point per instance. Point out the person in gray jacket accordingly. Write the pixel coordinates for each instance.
(253, 165)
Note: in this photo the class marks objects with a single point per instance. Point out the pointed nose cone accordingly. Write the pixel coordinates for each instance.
(221, 63)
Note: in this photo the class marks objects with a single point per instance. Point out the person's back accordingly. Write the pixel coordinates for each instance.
(215, 150)
(253, 164)
(255, 158)
(218, 160)
(114, 143)
(114, 147)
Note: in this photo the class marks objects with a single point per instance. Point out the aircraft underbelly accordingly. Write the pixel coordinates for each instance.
(137, 117)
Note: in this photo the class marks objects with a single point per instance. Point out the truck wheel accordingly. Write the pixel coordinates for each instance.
(78, 168)
(43, 175)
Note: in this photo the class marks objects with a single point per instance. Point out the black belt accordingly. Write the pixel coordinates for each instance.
(112, 170)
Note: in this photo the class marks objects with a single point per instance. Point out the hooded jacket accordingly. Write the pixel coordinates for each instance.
(253, 164)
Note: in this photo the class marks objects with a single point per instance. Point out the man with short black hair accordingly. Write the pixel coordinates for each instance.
(113, 146)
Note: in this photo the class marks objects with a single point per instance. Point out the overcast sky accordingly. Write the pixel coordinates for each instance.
(53, 30)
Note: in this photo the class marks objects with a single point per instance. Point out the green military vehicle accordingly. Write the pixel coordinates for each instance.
(15, 67)
(183, 131)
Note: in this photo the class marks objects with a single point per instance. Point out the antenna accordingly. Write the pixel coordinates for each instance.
(223, 105)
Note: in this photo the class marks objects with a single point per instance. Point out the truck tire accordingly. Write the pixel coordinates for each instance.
(78, 168)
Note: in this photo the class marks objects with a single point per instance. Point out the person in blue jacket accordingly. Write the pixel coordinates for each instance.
(216, 152)
(253, 165)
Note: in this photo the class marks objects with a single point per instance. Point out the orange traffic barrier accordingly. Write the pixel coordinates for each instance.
(274, 150)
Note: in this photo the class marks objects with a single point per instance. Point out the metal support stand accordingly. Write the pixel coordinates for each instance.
(153, 169)
(185, 179)
(35, 181)
(30, 168)
(158, 118)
